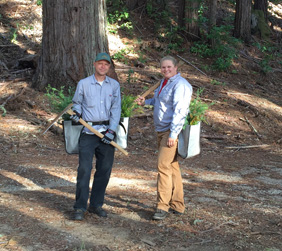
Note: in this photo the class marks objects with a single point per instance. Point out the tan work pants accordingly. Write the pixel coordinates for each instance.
(170, 187)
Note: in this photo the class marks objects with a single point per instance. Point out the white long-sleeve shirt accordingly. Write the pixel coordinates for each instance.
(171, 106)
(96, 102)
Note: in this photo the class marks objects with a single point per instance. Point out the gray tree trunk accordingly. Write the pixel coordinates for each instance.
(242, 27)
(74, 31)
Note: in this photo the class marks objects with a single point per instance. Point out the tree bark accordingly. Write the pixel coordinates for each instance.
(261, 5)
(242, 25)
(188, 17)
(74, 32)
(212, 18)
(212, 13)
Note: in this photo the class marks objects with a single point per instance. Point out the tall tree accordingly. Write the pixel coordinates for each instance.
(74, 31)
(188, 17)
(212, 17)
(242, 25)
(261, 5)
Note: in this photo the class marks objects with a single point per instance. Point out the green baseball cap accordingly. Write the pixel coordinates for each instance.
(103, 56)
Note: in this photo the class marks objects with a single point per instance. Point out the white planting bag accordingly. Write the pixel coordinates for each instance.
(122, 132)
(189, 141)
(71, 136)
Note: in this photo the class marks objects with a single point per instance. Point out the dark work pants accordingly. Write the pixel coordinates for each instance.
(104, 153)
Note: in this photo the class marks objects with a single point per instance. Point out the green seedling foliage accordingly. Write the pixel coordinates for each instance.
(216, 82)
(197, 110)
(14, 34)
(128, 105)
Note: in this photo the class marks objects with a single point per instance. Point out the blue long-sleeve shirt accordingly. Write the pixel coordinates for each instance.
(171, 106)
(96, 102)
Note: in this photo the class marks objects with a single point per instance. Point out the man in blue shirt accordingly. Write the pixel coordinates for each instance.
(171, 106)
(97, 101)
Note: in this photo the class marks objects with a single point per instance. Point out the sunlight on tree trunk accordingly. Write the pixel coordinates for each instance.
(74, 32)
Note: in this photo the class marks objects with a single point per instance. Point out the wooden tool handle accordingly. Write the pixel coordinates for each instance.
(58, 116)
(100, 135)
(151, 89)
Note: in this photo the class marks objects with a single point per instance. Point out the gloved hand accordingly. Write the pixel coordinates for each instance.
(75, 117)
(109, 136)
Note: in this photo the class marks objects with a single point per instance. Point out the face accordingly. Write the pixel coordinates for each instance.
(168, 69)
(102, 67)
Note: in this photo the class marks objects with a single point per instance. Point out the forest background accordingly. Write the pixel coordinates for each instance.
(230, 49)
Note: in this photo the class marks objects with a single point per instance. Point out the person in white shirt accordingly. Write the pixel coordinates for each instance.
(97, 101)
(171, 106)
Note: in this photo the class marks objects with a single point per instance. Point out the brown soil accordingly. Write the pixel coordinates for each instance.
(233, 189)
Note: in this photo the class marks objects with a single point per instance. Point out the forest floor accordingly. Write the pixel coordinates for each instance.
(233, 188)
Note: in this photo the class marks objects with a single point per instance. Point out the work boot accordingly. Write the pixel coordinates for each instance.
(175, 212)
(78, 214)
(98, 210)
(159, 214)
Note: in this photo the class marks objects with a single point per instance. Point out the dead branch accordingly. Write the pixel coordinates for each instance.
(247, 147)
(4, 65)
(252, 127)
(238, 93)
(10, 98)
(214, 137)
(191, 65)
(4, 86)
(7, 100)
(20, 71)
(267, 232)
(8, 45)
(257, 61)
(217, 227)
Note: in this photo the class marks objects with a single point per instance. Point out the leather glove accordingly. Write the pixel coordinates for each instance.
(108, 136)
(75, 117)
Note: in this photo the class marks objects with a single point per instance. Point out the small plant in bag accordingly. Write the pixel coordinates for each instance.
(197, 110)
(128, 105)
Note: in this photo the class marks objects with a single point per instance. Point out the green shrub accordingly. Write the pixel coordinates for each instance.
(118, 17)
(224, 50)
(58, 99)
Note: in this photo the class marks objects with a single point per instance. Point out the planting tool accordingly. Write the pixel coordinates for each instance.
(100, 135)
(55, 119)
(151, 89)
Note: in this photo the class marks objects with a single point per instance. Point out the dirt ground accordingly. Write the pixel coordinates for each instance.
(233, 188)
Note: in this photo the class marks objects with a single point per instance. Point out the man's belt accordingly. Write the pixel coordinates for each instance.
(107, 122)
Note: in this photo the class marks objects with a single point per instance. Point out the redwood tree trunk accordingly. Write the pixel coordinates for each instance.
(212, 18)
(74, 31)
(188, 17)
(243, 20)
(212, 13)
(261, 5)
